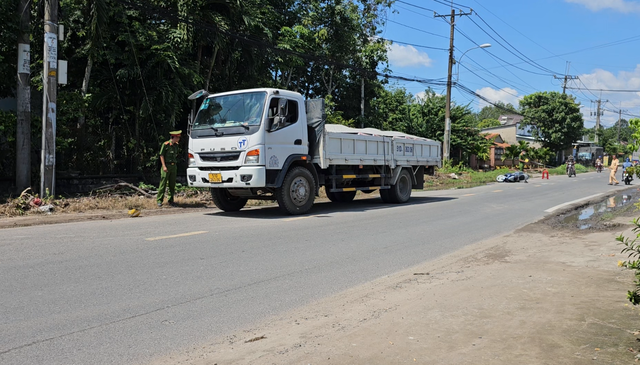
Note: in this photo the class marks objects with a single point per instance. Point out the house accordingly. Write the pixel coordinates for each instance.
(511, 130)
(495, 154)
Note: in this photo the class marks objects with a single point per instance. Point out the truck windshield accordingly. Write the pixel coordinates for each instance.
(231, 111)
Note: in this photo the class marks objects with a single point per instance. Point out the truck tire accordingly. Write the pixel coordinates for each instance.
(227, 202)
(400, 192)
(297, 192)
(340, 197)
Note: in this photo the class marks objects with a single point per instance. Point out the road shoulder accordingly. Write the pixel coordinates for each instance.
(526, 297)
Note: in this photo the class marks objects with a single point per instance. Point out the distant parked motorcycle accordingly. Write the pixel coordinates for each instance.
(513, 177)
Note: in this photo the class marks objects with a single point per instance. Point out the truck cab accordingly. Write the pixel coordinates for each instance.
(240, 142)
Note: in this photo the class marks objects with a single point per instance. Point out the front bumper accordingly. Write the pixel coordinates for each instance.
(243, 177)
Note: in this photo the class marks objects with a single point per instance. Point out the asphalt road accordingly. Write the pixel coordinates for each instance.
(125, 291)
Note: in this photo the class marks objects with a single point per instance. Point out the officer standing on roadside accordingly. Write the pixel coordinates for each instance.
(169, 160)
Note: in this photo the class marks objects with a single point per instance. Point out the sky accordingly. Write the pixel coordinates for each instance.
(595, 42)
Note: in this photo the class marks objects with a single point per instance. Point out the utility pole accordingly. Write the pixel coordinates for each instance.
(564, 83)
(447, 112)
(49, 91)
(362, 103)
(620, 120)
(598, 114)
(23, 95)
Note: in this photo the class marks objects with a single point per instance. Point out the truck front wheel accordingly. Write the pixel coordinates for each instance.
(400, 192)
(227, 202)
(297, 192)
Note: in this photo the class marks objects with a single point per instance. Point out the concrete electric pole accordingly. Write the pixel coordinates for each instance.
(564, 83)
(598, 114)
(23, 95)
(446, 142)
(49, 91)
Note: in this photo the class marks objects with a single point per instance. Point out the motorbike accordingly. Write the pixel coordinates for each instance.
(571, 169)
(513, 177)
(627, 177)
(599, 167)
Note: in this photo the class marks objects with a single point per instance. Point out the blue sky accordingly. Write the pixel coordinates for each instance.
(531, 41)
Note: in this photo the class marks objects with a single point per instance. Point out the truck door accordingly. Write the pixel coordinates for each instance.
(286, 132)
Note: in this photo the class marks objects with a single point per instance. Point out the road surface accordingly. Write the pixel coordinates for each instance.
(126, 291)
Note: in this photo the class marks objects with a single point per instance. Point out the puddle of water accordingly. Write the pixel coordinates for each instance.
(608, 205)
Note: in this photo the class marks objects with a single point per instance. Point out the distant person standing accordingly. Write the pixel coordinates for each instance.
(613, 169)
(522, 160)
(169, 160)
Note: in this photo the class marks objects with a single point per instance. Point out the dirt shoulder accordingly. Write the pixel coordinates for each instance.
(524, 298)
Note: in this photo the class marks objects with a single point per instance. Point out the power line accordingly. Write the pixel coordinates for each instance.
(418, 29)
(520, 55)
(415, 45)
(415, 6)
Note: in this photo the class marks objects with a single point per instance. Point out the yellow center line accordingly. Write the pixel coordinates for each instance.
(519, 188)
(175, 235)
(469, 194)
(497, 191)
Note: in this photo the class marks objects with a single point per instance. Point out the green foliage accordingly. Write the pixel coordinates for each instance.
(141, 62)
(488, 123)
(555, 118)
(632, 249)
(562, 169)
(491, 112)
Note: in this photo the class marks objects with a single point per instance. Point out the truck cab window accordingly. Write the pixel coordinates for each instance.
(282, 113)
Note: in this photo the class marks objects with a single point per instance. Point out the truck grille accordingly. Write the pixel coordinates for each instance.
(219, 156)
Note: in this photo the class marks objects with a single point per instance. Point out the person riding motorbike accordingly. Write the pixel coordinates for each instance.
(571, 169)
(599, 164)
(627, 178)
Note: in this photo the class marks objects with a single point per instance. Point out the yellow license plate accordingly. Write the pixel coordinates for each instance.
(215, 178)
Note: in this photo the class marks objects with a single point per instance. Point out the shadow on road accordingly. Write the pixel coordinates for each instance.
(359, 205)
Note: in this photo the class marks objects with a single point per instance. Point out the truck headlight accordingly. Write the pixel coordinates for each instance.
(192, 160)
(253, 157)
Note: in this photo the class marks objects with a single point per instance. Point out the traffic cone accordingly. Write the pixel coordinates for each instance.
(545, 172)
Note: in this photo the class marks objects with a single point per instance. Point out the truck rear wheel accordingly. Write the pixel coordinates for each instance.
(400, 192)
(227, 202)
(297, 192)
(341, 196)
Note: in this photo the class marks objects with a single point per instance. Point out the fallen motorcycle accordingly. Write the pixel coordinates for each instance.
(513, 177)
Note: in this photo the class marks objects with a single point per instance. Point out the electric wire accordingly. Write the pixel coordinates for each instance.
(418, 29)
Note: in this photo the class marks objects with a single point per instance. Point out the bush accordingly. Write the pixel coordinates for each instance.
(632, 248)
(562, 169)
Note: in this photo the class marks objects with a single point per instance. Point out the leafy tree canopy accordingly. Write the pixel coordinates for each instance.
(555, 118)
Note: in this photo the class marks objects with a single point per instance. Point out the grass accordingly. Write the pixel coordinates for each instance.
(562, 169)
(466, 179)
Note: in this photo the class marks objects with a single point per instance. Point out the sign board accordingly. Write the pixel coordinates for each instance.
(24, 58)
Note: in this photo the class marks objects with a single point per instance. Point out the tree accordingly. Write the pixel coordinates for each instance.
(494, 112)
(511, 152)
(555, 119)
(488, 123)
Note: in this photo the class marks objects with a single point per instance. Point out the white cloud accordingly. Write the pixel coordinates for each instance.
(606, 80)
(623, 6)
(407, 56)
(506, 95)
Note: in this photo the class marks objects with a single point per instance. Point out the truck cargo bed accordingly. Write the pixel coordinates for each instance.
(341, 145)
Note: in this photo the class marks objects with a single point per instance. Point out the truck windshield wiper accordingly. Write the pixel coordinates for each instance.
(214, 128)
(246, 127)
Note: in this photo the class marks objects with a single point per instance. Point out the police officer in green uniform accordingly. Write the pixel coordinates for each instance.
(169, 160)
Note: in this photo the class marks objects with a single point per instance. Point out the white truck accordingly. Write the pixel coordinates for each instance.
(271, 144)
